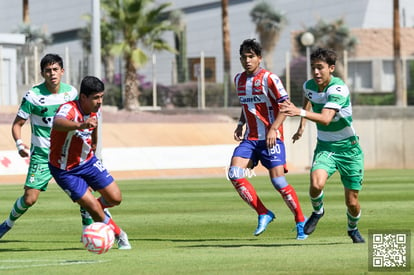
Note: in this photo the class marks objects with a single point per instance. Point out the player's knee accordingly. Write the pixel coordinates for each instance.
(279, 182)
(235, 173)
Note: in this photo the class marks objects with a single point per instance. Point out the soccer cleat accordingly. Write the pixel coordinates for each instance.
(356, 236)
(299, 230)
(263, 221)
(4, 228)
(311, 223)
(122, 241)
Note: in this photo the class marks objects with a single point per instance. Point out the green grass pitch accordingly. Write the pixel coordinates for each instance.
(201, 226)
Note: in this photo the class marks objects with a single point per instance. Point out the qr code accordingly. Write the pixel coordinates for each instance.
(389, 250)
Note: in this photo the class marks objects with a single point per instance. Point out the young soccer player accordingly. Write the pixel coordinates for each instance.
(39, 105)
(72, 161)
(260, 93)
(337, 143)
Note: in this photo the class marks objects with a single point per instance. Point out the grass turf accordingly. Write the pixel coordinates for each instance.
(201, 226)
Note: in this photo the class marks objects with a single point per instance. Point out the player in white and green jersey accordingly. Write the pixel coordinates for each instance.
(337, 146)
(39, 105)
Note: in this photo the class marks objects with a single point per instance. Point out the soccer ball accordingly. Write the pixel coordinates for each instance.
(98, 237)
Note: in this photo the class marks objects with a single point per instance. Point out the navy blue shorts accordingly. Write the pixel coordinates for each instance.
(75, 182)
(256, 150)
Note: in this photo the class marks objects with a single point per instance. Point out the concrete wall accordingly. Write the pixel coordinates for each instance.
(160, 148)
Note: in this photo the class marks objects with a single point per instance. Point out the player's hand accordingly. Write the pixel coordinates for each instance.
(24, 152)
(271, 138)
(89, 123)
(238, 133)
(297, 135)
(289, 109)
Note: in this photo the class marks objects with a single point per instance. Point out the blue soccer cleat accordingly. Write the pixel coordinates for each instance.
(263, 221)
(4, 228)
(300, 234)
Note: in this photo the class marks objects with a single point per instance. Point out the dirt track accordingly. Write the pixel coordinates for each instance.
(148, 128)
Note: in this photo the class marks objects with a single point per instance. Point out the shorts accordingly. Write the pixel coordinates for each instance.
(256, 150)
(75, 182)
(348, 160)
(38, 176)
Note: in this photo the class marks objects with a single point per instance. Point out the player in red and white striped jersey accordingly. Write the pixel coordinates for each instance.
(72, 161)
(260, 93)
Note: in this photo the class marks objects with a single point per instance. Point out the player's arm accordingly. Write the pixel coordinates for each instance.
(299, 132)
(94, 138)
(61, 123)
(17, 136)
(273, 132)
(238, 133)
(324, 118)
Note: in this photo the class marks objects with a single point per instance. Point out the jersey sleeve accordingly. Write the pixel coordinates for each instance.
(337, 97)
(66, 111)
(277, 89)
(26, 107)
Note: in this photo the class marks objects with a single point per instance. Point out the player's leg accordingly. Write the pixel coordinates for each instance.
(351, 168)
(37, 179)
(318, 181)
(99, 179)
(274, 160)
(290, 197)
(237, 176)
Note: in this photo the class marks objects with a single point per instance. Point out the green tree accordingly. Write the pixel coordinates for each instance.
(36, 42)
(269, 25)
(333, 35)
(180, 37)
(141, 24)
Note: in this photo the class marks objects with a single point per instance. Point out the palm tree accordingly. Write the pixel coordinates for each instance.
(26, 17)
(269, 25)
(141, 24)
(226, 49)
(401, 97)
(333, 35)
(36, 42)
(180, 36)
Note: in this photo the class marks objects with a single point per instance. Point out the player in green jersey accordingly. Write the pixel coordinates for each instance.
(39, 105)
(337, 147)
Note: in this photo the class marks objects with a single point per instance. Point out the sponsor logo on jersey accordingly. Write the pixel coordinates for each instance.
(250, 99)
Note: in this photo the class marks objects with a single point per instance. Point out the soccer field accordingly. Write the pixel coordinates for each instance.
(201, 226)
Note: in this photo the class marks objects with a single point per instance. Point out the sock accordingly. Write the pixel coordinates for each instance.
(291, 199)
(19, 208)
(317, 203)
(109, 221)
(353, 221)
(86, 217)
(249, 195)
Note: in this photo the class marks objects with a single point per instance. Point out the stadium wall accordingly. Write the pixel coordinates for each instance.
(134, 150)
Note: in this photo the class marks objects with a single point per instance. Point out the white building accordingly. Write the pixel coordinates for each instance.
(63, 19)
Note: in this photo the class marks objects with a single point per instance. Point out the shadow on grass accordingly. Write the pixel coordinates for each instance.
(239, 242)
(26, 249)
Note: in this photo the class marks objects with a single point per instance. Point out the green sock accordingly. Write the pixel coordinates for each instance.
(352, 221)
(86, 217)
(19, 208)
(317, 203)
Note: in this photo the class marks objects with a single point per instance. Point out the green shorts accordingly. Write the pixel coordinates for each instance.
(38, 176)
(345, 156)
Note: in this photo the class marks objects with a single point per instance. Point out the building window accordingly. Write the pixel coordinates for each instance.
(360, 76)
(387, 76)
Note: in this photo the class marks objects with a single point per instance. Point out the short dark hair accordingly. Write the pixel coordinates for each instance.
(327, 55)
(91, 85)
(49, 59)
(251, 45)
